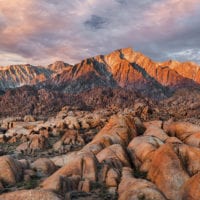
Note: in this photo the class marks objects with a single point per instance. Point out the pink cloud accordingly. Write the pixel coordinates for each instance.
(38, 31)
(169, 13)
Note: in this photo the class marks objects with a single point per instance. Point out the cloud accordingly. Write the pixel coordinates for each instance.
(193, 54)
(42, 31)
(95, 22)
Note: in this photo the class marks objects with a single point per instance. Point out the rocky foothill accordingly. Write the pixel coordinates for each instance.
(102, 154)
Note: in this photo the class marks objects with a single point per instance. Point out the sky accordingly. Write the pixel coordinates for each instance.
(40, 32)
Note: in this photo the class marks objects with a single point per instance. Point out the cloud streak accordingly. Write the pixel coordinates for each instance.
(42, 31)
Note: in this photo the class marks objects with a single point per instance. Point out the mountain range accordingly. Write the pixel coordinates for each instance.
(122, 70)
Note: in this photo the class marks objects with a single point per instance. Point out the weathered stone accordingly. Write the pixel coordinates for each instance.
(10, 170)
(72, 122)
(44, 166)
(114, 155)
(141, 150)
(155, 123)
(167, 168)
(191, 189)
(112, 178)
(30, 195)
(29, 118)
(83, 164)
(37, 142)
(131, 188)
(157, 132)
(84, 186)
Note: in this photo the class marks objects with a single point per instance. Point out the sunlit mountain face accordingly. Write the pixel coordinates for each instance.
(99, 99)
(124, 68)
(41, 32)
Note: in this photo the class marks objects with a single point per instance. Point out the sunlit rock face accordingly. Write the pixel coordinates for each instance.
(123, 68)
(59, 66)
(186, 69)
(18, 75)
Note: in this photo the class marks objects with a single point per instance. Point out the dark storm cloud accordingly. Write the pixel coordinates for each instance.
(95, 22)
(42, 31)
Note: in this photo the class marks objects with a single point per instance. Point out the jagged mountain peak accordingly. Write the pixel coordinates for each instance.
(18, 75)
(14, 66)
(187, 69)
(58, 66)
